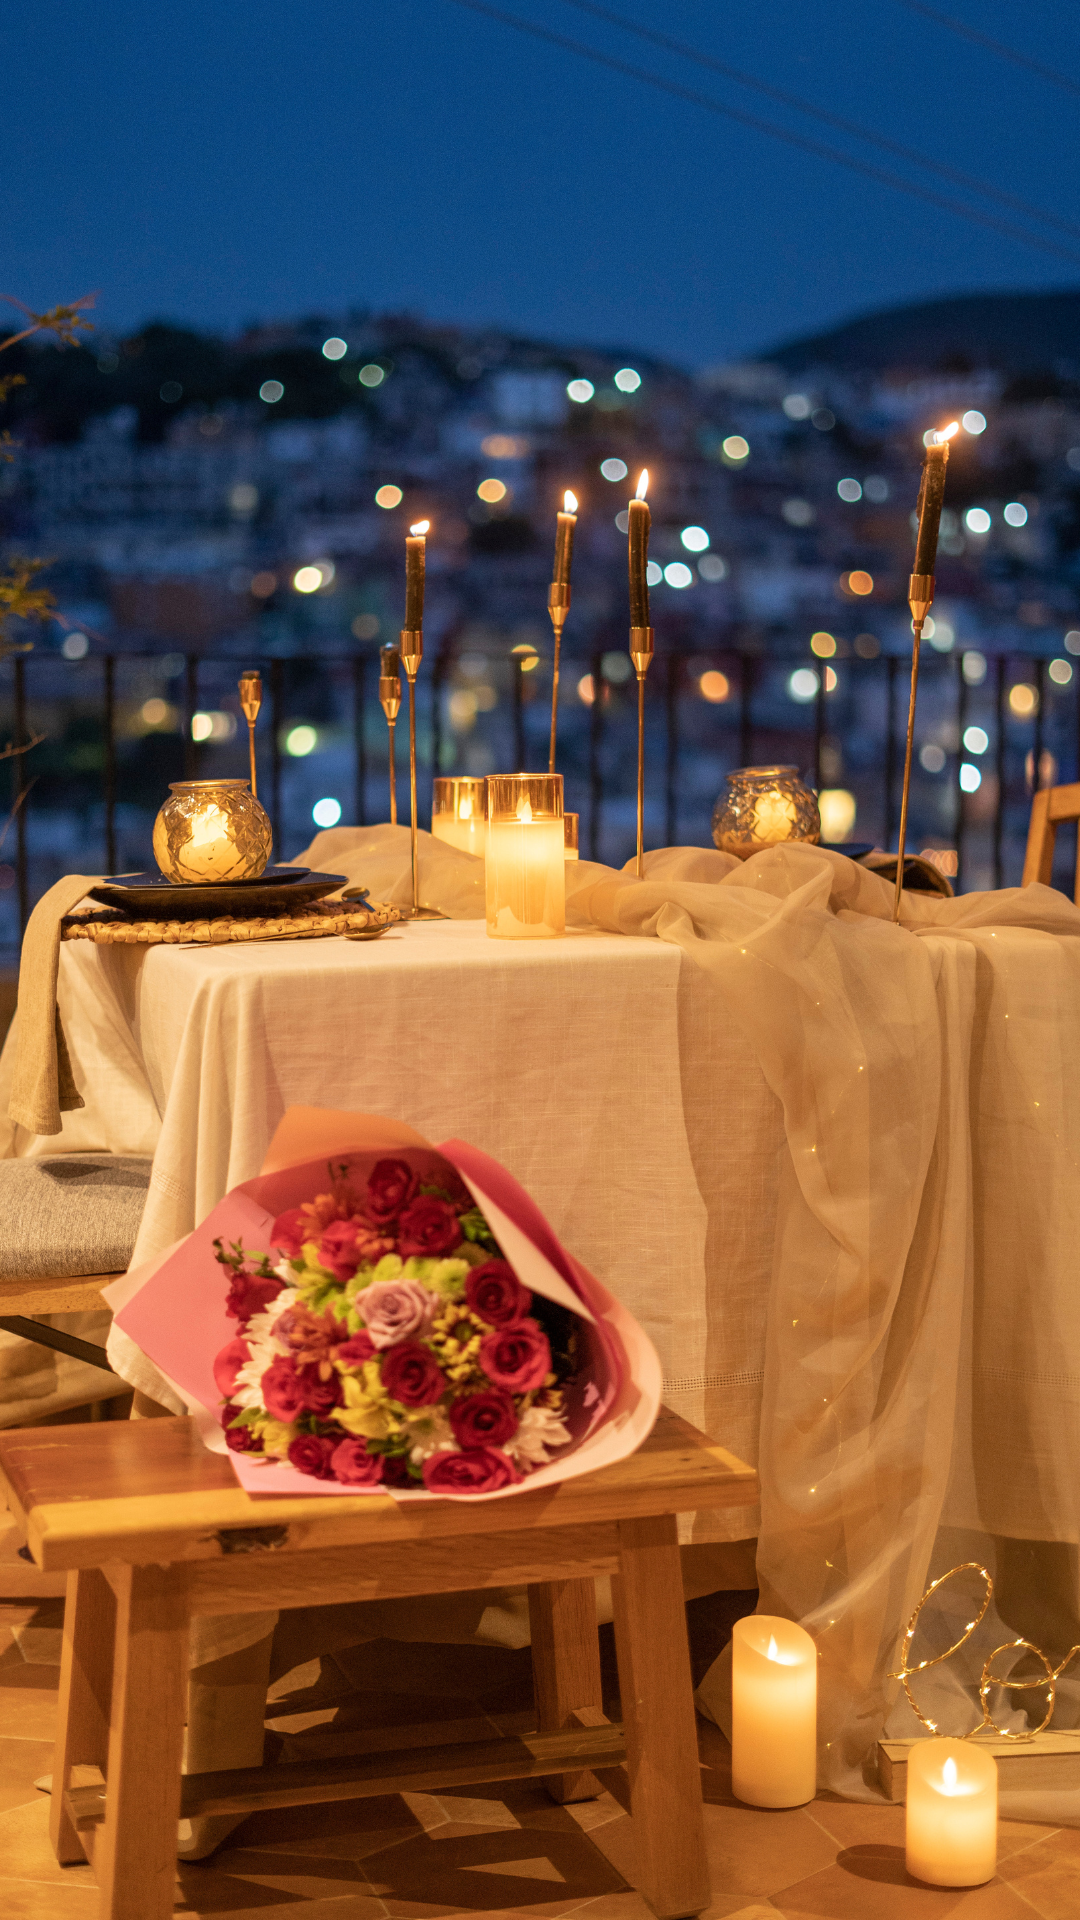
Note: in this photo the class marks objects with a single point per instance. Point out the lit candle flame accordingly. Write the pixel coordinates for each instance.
(774, 1651)
(464, 811)
(420, 527)
(642, 485)
(524, 813)
(946, 433)
(569, 501)
(949, 1775)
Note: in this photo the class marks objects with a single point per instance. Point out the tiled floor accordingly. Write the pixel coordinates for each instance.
(496, 1853)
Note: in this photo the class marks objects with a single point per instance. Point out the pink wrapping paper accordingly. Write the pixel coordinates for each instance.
(175, 1310)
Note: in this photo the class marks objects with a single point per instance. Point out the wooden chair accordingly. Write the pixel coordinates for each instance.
(1049, 807)
(152, 1529)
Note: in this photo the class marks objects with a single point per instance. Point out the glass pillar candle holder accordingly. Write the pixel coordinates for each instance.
(459, 813)
(952, 1813)
(773, 1712)
(762, 807)
(570, 836)
(526, 886)
(211, 830)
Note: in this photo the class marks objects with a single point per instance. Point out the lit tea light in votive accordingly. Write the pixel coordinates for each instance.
(773, 1712)
(526, 893)
(952, 1813)
(570, 836)
(459, 813)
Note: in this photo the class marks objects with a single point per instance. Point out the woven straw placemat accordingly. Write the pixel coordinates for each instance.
(314, 922)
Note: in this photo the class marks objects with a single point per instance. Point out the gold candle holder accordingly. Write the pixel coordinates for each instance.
(459, 813)
(641, 653)
(525, 875)
(920, 600)
(559, 601)
(390, 702)
(250, 702)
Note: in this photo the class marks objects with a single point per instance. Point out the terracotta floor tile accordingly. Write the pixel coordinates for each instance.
(869, 1882)
(233, 1876)
(341, 1830)
(462, 1869)
(21, 1762)
(248, 1900)
(27, 1694)
(25, 1853)
(750, 1852)
(1048, 1875)
(22, 1900)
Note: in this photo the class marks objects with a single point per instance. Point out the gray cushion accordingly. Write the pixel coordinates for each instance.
(70, 1213)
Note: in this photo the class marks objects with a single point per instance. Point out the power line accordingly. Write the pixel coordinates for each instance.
(630, 71)
(978, 39)
(684, 52)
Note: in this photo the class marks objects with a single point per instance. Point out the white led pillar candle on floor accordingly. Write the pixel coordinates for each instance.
(952, 1813)
(773, 1712)
(526, 883)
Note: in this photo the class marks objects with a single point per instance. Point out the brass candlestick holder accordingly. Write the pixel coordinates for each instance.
(250, 702)
(390, 702)
(641, 653)
(412, 652)
(558, 608)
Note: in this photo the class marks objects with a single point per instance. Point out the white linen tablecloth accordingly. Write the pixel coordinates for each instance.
(597, 1068)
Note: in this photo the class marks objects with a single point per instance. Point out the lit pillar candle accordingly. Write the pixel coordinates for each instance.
(459, 813)
(639, 524)
(952, 1811)
(415, 553)
(525, 875)
(773, 1712)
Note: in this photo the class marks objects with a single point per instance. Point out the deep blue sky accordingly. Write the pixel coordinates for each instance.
(215, 161)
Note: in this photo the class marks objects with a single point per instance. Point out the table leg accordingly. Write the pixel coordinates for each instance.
(658, 1715)
(135, 1855)
(566, 1668)
(82, 1736)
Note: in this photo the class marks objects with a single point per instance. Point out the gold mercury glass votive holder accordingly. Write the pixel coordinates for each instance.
(459, 812)
(525, 876)
(763, 807)
(211, 830)
(570, 836)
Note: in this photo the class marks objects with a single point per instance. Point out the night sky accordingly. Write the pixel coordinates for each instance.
(221, 161)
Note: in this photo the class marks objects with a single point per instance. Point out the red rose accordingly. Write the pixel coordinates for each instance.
(479, 1470)
(428, 1227)
(338, 1251)
(290, 1230)
(251, 1293)
(412, 1376)
(356, 1349)
(310, 1454)
(391, 1186)
(228, 1364)
(354, 1466)
(241, 1439)
(321, 1395)
(484, 1419)
(283, 1391)
(495, 1294)
(517, 1358)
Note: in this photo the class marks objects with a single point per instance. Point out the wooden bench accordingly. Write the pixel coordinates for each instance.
(152, 1529)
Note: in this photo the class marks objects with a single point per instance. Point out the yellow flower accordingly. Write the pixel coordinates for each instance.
(276, 1437)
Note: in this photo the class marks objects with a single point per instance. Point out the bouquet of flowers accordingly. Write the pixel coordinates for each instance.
(390, 1318)
(385, 1340)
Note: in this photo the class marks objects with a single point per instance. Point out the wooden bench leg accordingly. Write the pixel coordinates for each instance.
(658, 1716)
(82, 1737)
(566, 1669)
(135, 1855)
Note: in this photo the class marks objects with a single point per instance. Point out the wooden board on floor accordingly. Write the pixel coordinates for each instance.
(1048, 1762)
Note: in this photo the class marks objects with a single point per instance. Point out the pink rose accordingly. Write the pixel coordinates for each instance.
(483, 1419)
(354, 1466)
(251, 1293)
(283, 1391)
(391, 1186)
(479, 1470)
(396, 1310)
(354, 1351)
(495, 1294)
(228, 1364)
(412, 1376)
(428, 1228)
(517, 1358)
(290, 1230)
(309, 1453)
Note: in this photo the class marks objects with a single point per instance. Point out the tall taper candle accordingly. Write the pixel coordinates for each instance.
(559, 602)
(412, 652)
(920, 600)
(640, 521)
(415, 552)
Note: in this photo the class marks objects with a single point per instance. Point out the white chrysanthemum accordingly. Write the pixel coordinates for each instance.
(261, 1325)
(538, 1430)
(430, 1430)
(264, 1350)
